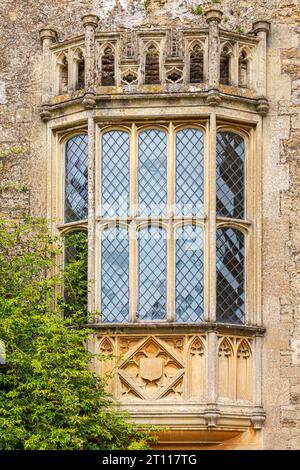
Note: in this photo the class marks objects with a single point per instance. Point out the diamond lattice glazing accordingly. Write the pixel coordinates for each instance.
(115, 173)
(152, 172)
(76, 179)
(230, 276)
(189, 172)
(115, 275)
(189, 274)
(152, 274)
(230, 175)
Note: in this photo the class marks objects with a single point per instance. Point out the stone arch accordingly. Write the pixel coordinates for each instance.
(225, 64)
(196, 62)
(152, 66)
(196, 369)
(108, 65)
(244, 69)
(79, 69)
(226, 388)
(62, 73)
(244, 371)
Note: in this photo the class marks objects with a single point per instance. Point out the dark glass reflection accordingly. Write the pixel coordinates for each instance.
(189, 274)
(230, 175)
(230, 276)
(115, 173)
(189, 172)
(115, 275)
(76, 178)
(152, 274)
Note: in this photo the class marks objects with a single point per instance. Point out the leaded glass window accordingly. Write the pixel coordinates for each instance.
(189, 172)
(189, 274)
(115, 173)
(114, 275)
(230, 175)
(230, 275)
(152, 172)
(154, 222)
(152, 274)
(76, 178)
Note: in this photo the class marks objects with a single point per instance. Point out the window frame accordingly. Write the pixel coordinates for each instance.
(171, 126)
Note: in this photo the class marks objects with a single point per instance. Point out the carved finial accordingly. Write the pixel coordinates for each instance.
(90, 20)
(262, 25)
(48, 33)
(213, 14)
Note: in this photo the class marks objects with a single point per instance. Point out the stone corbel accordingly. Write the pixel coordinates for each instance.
(211, 416)
(45, 112)
(90, 23)
(262, 106)
(213, 97)
(258, 418)
(89, 101)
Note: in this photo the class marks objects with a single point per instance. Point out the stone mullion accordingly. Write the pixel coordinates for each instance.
(91, 215)
(210, 313)
(171, 241)
(133, 243)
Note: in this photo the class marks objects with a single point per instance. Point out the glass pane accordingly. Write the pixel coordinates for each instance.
(230, 175)
(189, 172)
(76, 178)
(115, 173)
(115, 275)
(230, 276)
(189, 274)
(152, 172)
(152, 274)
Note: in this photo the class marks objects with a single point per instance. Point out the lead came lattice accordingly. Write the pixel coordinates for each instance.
(115, 275)
(152, 274)
(230, 175)
(230, 276)
(76, 179)
(189, 274)
(115, 173)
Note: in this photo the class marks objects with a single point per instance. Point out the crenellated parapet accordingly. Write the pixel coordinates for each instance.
(211, 63)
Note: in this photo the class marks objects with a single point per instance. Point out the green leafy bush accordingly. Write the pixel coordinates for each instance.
(49, 396)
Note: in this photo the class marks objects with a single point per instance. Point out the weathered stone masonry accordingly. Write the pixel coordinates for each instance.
(24, 174)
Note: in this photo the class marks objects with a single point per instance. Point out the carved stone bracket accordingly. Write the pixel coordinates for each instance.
(213, 97)
(45, 112)
(262, 106)
(89, 101)
(258, 418)
(211, 416)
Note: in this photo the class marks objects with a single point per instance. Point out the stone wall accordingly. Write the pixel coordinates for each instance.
(23, 172)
